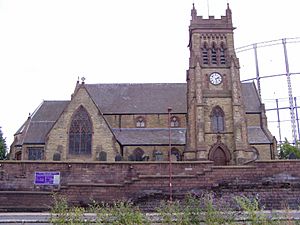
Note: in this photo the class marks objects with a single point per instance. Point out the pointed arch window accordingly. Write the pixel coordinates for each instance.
(217, 117)
(222, 55)
(205, 54)
(174, 122)
(140, 122)
(80, 133)
(213, 54)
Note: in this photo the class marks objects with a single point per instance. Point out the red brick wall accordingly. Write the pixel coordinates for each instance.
(276, 183)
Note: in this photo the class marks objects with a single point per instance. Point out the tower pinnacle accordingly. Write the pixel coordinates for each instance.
(193, 12)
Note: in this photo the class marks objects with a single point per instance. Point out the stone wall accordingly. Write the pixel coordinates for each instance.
(103, 138)
(151, 120)
(275, 183)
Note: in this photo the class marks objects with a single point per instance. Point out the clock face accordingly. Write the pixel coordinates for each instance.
(215, 78)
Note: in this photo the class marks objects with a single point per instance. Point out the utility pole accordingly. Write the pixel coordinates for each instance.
(170, 154)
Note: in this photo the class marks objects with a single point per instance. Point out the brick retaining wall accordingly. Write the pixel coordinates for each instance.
(276, 183)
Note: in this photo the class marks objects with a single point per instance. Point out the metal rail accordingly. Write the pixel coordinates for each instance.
(294, 118)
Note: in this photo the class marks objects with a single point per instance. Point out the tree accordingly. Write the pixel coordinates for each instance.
(288, 151)
(3, 146)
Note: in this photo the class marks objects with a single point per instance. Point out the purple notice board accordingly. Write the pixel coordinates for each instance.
(47, 178)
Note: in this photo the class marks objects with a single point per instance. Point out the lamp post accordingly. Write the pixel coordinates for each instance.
(170, 153)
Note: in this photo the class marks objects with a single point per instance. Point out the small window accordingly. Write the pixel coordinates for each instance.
(174, 121)
(213, 54)
(35, 153)
(222, 55)
(205, 54)
(217, 119)
(140, 122)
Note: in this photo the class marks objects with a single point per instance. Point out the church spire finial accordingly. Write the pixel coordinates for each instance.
(228, 13)
(194, 12)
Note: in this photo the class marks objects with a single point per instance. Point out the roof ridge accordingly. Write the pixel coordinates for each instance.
(136, 83)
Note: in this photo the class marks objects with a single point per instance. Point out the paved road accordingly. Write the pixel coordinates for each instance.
(25, 218)
(43, 218)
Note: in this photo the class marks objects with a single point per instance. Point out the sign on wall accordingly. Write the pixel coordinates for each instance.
(47, 178)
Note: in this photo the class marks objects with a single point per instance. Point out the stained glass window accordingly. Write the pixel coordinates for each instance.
(80, 134)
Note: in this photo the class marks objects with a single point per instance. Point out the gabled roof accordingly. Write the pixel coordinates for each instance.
(139, 98)
(131, 99)
(154, 97)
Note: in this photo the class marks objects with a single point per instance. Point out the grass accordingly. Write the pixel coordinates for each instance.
(192, 210)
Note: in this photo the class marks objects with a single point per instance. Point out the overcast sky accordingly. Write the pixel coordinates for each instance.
(45, 45)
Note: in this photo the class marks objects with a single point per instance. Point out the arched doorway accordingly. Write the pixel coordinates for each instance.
(219, 157)
(219, 154)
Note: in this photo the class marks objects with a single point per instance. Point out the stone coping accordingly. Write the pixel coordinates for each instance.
(100, 162)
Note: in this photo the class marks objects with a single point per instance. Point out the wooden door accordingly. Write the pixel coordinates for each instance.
(219, 157)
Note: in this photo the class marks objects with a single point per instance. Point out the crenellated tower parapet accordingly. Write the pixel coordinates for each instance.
(216, 113)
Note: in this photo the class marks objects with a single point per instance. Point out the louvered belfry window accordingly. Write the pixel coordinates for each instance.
(214, 55)
(222, 55)
(80, 134)
(205, 54)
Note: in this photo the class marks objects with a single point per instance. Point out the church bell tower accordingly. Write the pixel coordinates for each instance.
(216, 128)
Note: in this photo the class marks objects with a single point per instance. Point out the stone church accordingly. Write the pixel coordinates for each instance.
(213, 116)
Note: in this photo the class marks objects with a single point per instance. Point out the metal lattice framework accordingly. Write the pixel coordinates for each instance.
(274, 68)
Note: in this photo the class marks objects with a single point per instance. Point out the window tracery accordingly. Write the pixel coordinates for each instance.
(140, 122)
(217, 119)
(174, 122)
(80, 133)
(213, 53)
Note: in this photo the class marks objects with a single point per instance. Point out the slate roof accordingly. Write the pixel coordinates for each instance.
(154, 97)
(42, 121)
(139, 98)
(133, 99)
(148, 136)
(251, 99)
(256, 135)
